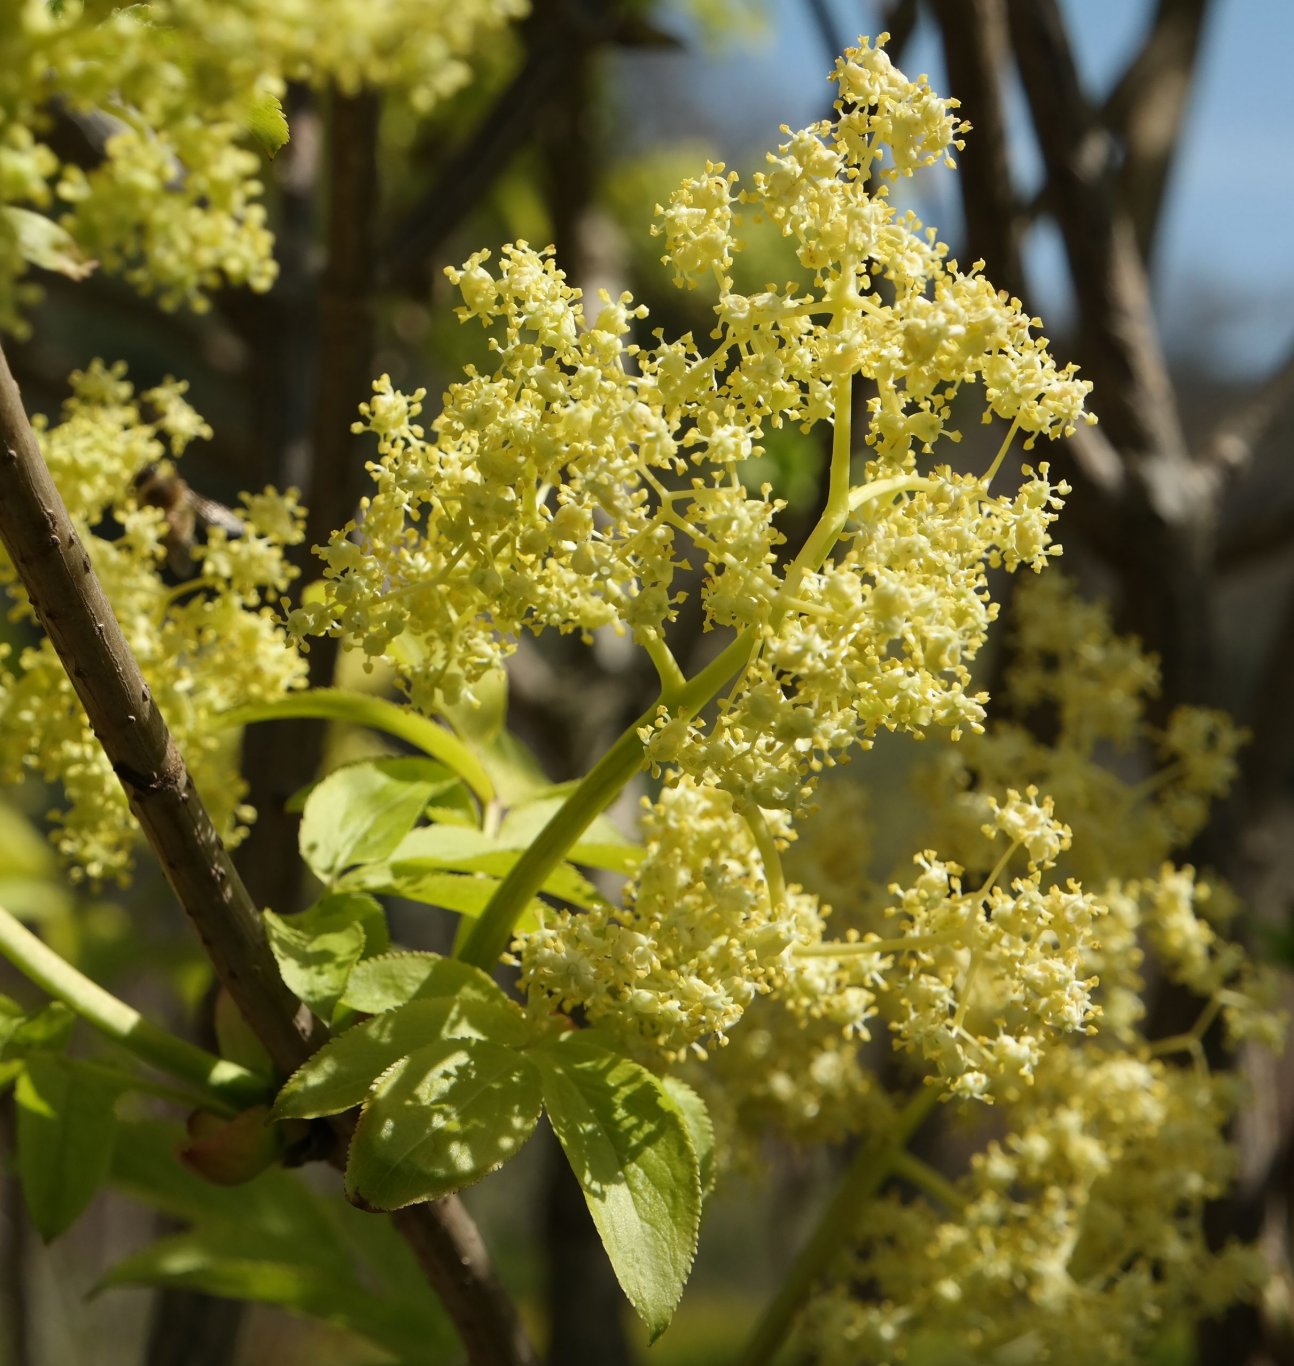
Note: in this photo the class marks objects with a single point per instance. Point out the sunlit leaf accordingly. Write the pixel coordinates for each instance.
(628, 1144)
(360, 813)
(440, 1119)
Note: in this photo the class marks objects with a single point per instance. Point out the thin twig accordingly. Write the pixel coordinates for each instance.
(556, 31)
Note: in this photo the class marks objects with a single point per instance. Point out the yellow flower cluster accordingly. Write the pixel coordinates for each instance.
(696, 940)
(984, 980)
(571, 485)
(177, 92)
(204, 647)
(1076, 1238)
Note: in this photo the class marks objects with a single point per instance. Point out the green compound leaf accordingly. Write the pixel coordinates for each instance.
(440, 1119)
(430, 864)
(391, 979)
(359, 709)
(45, 1029)
(629, 1146)
(280, 1242)
(66, 1127)
(341, 1073)
(360, 813)
(317, 949)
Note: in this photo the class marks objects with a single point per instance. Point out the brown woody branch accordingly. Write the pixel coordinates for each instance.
(339, 342)
(1162, 521)
(1230, 446)
(70, 604)
(975, 49)
(1146, 109)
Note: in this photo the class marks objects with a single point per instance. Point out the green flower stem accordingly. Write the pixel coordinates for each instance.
(769, 857)
(924, 1177)
(224, 1086)
(872, 1165)
(493, 931)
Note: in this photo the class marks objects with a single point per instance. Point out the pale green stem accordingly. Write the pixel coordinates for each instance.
(1192, 1041)
(886, 488)
(672, 678)
(1148, 786)
(924, 1177)
(491, 933)
(224, 1086)
(872, 1165)
(822, 539)
(769, 856)
(1001, 454)
(856, 948)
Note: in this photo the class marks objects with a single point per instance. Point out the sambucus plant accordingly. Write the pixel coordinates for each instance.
(574, 486)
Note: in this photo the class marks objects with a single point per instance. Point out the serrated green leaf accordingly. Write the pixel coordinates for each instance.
(628, 1144)
(463, 893)
(700, 1129)
(441, 1119)
(464, 850)
(359, 709)
(282, 1221)
(360, 813)
(601, 845)
(44, 243)
(391, 979)
(612, 858)
(65, 1131)
(445, 846)
(341, 1073)
(267, 124)
(315, 963)
(289, 1219)
(564, 882)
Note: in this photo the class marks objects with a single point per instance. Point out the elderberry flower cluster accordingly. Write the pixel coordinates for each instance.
(173, 96)
(577, 481)
(1074, 1238)
(204, 647)
(696, 940)
(987, 978)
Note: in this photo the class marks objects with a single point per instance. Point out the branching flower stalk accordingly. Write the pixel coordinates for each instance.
(572, 486)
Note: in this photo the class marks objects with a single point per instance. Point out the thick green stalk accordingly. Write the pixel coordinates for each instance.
(225, 1087)
(490, 935)
(872, 1165)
